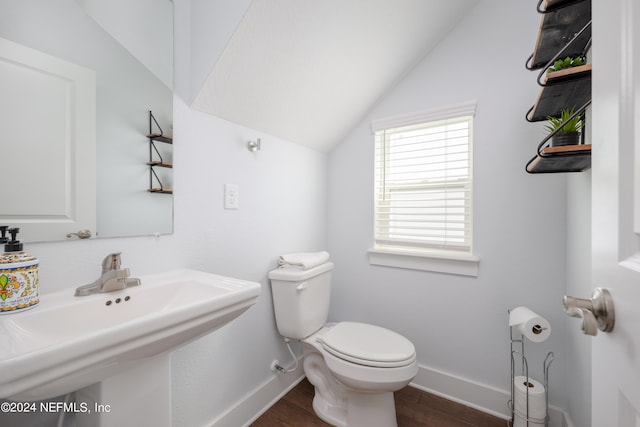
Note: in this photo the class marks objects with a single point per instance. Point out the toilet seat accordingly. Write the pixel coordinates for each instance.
(368, 345)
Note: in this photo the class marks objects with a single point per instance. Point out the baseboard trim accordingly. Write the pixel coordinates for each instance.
(257, 402)
(478, 396)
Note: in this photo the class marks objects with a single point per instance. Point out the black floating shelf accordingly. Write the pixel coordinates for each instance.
(563, 89)
(568, 158)
(160, 190)
(161, 164)
(160, 137)
(558, 27)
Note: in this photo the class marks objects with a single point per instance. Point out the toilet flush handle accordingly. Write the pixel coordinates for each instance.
(301, 286)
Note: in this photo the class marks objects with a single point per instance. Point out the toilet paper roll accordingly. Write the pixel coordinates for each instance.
(534, 327)
(537, 402)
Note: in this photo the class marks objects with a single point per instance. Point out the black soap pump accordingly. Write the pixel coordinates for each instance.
(18, 275)
(14, 244)
(3, 234)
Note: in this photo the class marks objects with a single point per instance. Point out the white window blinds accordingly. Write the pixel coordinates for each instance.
(423, 181)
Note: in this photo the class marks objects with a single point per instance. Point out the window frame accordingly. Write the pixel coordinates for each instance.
(424, 256)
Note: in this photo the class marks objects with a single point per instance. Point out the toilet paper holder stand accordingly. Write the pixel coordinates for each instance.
(517, 351)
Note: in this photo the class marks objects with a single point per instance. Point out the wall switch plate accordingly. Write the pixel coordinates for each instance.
(231, 196)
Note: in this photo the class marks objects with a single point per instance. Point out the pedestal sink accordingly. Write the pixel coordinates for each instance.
(113, 349)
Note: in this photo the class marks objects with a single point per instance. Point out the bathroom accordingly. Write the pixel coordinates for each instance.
(532, 233)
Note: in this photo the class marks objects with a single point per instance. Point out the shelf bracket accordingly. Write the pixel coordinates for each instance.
(151, 187)
(152, 120)
(152, 145)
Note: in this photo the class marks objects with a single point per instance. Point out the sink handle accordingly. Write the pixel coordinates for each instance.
(111, 262)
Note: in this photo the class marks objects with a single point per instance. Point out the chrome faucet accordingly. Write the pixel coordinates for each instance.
(113, 278)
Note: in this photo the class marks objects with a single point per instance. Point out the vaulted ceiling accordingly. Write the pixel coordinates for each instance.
(308, 70)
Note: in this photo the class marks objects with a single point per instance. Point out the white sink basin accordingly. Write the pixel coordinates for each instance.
(67, 343)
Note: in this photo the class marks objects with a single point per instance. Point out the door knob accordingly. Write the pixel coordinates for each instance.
(596, 312)
(81, 234)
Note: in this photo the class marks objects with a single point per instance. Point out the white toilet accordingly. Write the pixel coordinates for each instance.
(354, 367)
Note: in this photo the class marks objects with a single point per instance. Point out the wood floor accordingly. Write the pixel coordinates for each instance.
(414, 408)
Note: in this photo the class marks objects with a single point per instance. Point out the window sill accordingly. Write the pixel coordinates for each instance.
(464, 265)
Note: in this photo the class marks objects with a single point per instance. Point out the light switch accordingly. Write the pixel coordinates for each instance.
(231, 196)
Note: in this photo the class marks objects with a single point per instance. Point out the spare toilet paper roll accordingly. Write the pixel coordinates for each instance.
(534, 327)
(537, 402)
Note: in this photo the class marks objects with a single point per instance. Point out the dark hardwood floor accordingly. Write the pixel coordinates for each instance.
(414, 408)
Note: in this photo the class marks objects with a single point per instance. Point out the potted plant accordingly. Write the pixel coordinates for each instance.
(567, 62)
(569, 130)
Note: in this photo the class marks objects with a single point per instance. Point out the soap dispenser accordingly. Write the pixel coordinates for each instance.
(18, 275)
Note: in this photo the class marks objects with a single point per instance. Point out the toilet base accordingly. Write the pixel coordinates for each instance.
(330, 397)
(371, 410)
(361, 410)
(334, 415)
(341, 406)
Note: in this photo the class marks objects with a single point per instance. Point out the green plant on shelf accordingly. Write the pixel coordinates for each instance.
(567, 62)
(574, 125)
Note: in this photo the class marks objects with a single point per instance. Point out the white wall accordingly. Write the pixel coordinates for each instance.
(282, 200)
(282, 196)
(213, 22)
(459, 324)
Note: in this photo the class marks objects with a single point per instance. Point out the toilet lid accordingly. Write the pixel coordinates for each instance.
(368, 345)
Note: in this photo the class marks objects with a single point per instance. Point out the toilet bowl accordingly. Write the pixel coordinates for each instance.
(354, 367)
(357, 372)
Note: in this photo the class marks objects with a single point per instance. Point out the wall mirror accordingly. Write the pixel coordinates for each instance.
(78, 79)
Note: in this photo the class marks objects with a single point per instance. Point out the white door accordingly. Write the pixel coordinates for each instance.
(616, 209)
(47, 144)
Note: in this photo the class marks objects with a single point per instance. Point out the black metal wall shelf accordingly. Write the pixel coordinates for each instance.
(569, 88)
(561, 21)
(152, 163)
(161, 164)
(568, 158)
(160, 190)
(160, 137)
(565, 30)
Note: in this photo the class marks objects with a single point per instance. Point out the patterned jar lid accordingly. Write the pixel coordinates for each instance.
(16, 257)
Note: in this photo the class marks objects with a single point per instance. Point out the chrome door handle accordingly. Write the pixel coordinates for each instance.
(596, 312)
(82, 234)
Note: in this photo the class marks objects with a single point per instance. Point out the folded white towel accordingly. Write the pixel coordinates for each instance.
(303, 260)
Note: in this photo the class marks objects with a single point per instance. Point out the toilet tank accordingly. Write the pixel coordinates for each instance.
(301, 299)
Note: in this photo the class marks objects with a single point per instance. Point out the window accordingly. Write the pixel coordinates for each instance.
(423, 185)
